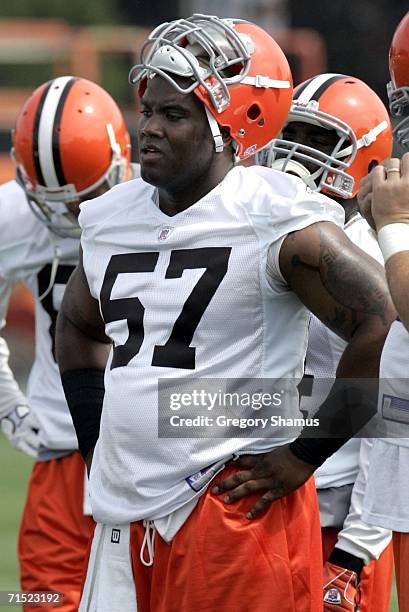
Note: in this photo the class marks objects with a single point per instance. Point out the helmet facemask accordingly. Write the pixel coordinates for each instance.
(206, 50)
(319, 170)
(399, 108)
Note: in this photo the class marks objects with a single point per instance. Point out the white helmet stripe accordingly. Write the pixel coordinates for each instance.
(314, 85)
(46, 130)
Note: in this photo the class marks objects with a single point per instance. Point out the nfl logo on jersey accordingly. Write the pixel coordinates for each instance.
(164, 232)
(333, 596)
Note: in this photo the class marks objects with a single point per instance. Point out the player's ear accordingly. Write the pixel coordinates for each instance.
(227, 139)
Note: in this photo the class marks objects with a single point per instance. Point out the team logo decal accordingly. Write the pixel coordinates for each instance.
(332, 596)
(165, 232)
(250, 150)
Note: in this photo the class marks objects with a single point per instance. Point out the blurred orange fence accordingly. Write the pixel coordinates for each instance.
(62, 49)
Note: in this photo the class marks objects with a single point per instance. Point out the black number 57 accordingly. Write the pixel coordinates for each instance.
(176, 352)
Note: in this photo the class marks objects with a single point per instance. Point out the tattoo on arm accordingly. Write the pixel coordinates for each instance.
(358, 290)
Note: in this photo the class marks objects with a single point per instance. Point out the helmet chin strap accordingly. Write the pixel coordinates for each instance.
(294, 167)
(54, 266)
(215, 129)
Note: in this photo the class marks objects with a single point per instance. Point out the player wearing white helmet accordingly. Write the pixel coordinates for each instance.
(337, 129)
(200, 271)
(70, 144)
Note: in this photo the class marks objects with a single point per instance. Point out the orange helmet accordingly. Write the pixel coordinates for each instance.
(234, 67)
(70, 139)
(398, 87)
(359, 118)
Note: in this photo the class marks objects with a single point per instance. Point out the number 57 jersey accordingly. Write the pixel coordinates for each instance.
(188, 296)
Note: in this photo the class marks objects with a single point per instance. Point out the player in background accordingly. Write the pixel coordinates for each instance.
(383, 199)
(337, 130)
(70, 143)
(206, 270)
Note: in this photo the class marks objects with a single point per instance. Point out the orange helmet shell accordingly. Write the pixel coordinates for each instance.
(399, 54)
(360, 120)
(398, 87)
(62, 135)
(256, 115)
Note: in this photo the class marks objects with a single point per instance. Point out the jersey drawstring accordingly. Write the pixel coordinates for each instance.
(148, 543)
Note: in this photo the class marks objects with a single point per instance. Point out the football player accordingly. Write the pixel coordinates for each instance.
(337, 130)
(383, 198)
(70, 143)
(205, 270)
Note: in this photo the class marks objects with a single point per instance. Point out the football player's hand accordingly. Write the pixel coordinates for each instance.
(383, 195)
(276, 473)
(21, 427)
(365, 199)
(340, 589)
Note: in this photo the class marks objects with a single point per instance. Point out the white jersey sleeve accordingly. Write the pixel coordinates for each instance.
(387, 497)
(293, 207)
(10, 392)
(357, 537)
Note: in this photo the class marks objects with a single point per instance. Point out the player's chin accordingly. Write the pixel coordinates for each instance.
(153, 174)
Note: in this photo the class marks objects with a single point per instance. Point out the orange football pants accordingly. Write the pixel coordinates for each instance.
(54, 533)
(401, 554)
(376, 577)
(221, 561)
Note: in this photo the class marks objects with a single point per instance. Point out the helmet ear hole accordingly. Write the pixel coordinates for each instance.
(253, 112)
(225, 132)
(372, 164)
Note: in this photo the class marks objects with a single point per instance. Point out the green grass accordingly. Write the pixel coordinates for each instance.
(14, 472)
(15, 469)
(394, 601)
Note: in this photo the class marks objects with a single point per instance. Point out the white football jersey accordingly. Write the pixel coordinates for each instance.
(393, 401)
(26, 254)
(323, 354)
(387, 495)
(188, 297)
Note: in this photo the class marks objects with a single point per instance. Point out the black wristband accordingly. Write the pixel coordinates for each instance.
(347, 560)
(350, 406)
(84, 391)
(316, 451)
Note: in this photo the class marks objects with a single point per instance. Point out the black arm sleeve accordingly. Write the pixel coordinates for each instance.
(84, 391)
(347, 560)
